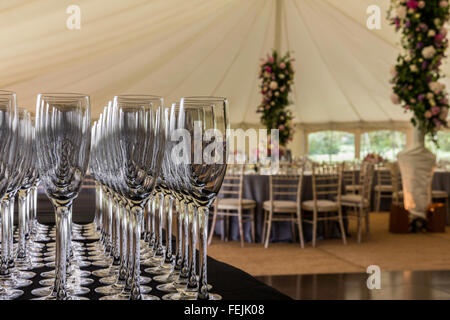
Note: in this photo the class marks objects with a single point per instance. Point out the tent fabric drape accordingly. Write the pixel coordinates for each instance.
(177, 48)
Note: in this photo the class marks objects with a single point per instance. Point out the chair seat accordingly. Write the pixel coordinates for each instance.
(439, 194)
(353, 200)
(233, 204)
(384, 188)
(283, 206)
(322, 205)
(352, 187)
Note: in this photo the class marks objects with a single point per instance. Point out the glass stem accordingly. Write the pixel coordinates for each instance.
(179, 234)
(192, 279)
(4, 270)
(116, 234)
(203, 248)
(184, 274)
(27, 215)
(159, 237)
(169, 256)
(62, 226)
(69, 241)
(110, 225)
(123, 244)
(33, 209)
(130, 260)
(152, 240)
(136, 216)
(22, 248)
(11, 252)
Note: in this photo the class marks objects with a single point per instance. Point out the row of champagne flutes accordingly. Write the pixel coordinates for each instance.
(19, 178)
(132, 162)
(147, 156)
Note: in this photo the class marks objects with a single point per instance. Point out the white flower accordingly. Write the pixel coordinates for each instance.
(436, 87)
(393, 71)
(401, 12)
(277, 93)
(281, 76)
(413, 68)
(273, 85)
(431, 33)
(408, 58)
(428, 52)
(430, 95)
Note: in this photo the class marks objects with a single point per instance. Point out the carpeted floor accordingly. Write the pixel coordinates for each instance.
(425, 251)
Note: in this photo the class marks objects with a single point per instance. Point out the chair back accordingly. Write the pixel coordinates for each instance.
(396, 179)
(366, 173)
(383, 175)
(286, 187)
(327, 181)
(349, 170)
(232, 186)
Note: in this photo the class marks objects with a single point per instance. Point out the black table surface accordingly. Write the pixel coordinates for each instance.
(231, 283)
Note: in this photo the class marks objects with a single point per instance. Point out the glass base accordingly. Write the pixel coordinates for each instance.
(107, 272)
(23, 274)
(112, 279)
(72, 291)
(71, 281)
(183, 296)
(158, 270)
(11, 282)
(101, 263)
(167, 287)
(49, 297)
(10, 294)
(78, 273)
(126, 295)
(110, 290)
(167, 278)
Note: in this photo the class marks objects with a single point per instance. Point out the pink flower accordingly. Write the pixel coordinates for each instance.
(271, 60)
(439, 37)
(435, 110)
(428, 114)
(443, 4)
(268, 69)
(412, 4)
(281, 127)
(421, 4)
(407, 107)
(395, 99)
(437, 123)
(282, 65)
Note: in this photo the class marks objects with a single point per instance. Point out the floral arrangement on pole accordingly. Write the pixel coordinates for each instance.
(416, 75)
(277, 76)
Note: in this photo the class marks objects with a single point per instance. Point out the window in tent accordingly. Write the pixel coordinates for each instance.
(386, 143)
(331, 146)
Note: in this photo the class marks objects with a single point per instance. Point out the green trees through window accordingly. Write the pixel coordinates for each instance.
(331, 146)
(386, 143)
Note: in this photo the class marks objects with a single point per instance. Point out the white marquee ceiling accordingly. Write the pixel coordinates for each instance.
(202, 47)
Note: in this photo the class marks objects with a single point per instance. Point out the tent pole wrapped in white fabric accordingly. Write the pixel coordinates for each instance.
(208, 47)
